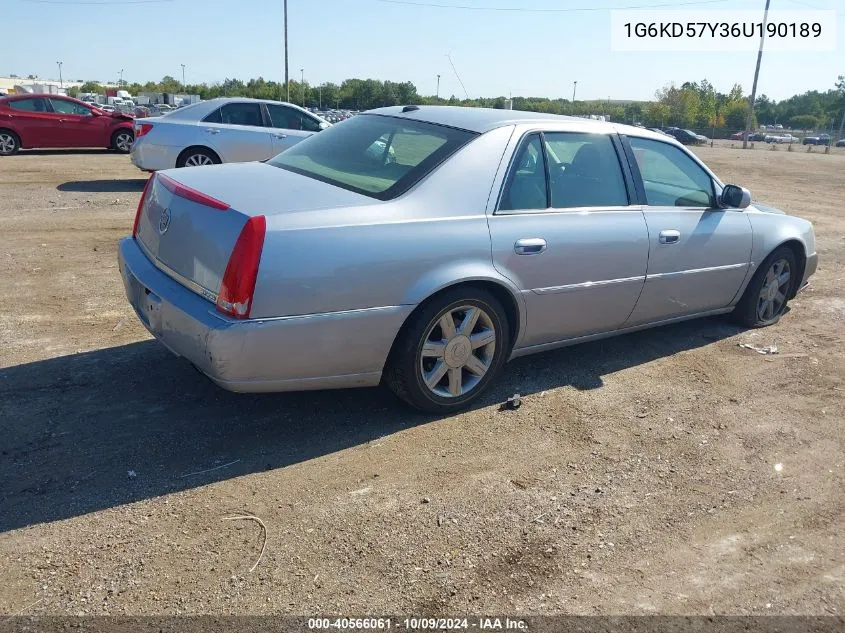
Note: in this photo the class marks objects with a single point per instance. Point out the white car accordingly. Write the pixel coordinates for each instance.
(226, 130)
(781, 138)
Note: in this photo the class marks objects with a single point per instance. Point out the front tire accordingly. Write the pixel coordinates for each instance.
(9, 143)
(121, 141)
(769, 290)
(449, 351)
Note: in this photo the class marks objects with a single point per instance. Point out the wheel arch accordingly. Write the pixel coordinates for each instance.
(191, 148)
(800, 251)
(506, 295)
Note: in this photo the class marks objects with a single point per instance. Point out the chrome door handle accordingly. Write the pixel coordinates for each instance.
(280, 135)
(670, 237)
(530, 246)
(212, 130)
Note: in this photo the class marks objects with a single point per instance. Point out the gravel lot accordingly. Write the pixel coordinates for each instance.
(668, 471)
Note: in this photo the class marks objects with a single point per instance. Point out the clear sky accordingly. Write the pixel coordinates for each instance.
(496, 52)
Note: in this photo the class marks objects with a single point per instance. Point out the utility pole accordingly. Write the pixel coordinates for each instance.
(320, 90)
(302, 85)
(750, 117)
(574, 86)
(437, 94)
(61, 83)
(120, 80)
(287, 77)
(183, 76)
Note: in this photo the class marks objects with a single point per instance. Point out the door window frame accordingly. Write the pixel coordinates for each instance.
(621, 157)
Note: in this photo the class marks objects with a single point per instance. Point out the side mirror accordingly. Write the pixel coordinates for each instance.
(324, 125)
(734, 197)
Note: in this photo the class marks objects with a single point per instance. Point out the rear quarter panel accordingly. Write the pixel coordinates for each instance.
(388, 253)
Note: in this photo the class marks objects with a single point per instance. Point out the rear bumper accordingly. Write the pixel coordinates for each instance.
(151, 157)
(318, 351)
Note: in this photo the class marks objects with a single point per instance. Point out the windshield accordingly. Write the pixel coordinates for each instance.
(375, 155)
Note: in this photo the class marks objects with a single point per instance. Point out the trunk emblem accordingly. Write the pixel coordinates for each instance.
(164, 220)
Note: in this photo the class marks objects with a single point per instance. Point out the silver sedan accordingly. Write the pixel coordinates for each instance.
(425, 246)
(228, 130)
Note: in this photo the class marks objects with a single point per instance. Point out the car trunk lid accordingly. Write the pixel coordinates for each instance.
(190, 219)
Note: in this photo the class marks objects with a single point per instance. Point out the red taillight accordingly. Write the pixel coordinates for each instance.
(238, 285)
(140, 206)
(183, 191)
(142, 129)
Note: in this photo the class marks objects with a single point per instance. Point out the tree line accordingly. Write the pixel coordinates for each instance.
(692, 105)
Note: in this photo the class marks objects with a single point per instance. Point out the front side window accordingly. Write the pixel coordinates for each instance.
(237, 114)
(378, 156)
(670, 177)
(29, 105)
(69, 107)
(291, 119)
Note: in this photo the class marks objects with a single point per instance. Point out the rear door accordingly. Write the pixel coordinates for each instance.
(699, 252)
(236, 131)
(566, 233)
(77, 125)
(33, 118)
(288, 126)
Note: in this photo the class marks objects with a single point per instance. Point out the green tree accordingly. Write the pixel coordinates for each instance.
(735, 115)
(91, 86)
(803, 122)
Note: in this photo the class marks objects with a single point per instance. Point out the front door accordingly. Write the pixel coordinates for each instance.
(565, 234)
(699, 253)
(77, 126)
(289, 126)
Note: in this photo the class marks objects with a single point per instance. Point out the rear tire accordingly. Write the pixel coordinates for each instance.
(449, 350)
(197, 157)
(9, 143)
(768, 293)
(121, 141)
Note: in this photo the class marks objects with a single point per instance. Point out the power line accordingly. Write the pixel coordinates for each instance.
(435, 5)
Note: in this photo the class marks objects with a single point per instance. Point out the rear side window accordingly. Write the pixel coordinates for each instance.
(670, 177)
(374, 155)
(237, 114)
(565, 170)
(291, 119)
(29, 105)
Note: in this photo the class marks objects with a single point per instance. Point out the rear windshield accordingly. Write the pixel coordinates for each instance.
(375, 155)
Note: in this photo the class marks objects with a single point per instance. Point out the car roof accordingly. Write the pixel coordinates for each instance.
(483, 120)
(473, 119)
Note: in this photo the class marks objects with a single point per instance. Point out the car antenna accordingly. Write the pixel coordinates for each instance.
(410, 108)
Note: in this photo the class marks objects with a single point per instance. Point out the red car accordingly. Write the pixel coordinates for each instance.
(28, 121)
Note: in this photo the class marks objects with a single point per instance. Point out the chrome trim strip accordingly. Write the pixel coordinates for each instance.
(693, 271)
(205, 293)
(587, 285)
(318, 315)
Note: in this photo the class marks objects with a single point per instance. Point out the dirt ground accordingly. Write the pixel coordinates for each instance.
(667, 471)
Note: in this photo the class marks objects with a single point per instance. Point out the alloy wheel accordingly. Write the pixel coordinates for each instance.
(457, 351)
(772, 298)
(124, 141)
(7, 143)
(198, 160)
